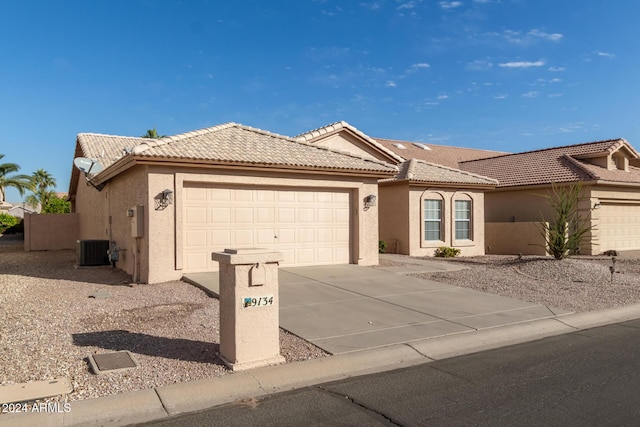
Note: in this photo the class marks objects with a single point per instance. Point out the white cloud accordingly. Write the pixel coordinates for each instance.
(556, 69)
(421, 65)
(407, 5)
(521, 64)
(525, 38)
(605, 54)
(556, 80)
(479, 65)
(555, 95)
(501, 96)
(390, 83)
(446, 5)
(443, 97)
(532, 94)
(554, 37)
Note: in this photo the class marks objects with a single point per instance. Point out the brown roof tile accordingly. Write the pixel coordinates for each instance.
(438, 154)
(556, 164)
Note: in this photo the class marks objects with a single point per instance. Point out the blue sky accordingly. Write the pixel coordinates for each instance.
(509, 75)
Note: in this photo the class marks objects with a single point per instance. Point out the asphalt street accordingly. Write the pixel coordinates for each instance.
(591, 377)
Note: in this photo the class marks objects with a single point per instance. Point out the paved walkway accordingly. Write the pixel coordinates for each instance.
(347, 308)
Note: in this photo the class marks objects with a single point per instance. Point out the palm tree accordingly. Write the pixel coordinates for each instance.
(19, 182)
(41, 181)
(152, 134)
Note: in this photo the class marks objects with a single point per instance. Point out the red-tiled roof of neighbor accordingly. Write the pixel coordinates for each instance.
(229, 143)
(418, 171)
(557, 164)
(439, 154)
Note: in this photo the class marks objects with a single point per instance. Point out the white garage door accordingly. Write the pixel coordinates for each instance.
(619, 226)
(310, 227)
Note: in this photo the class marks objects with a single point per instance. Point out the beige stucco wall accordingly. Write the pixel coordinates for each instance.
(401, 219)
(394, 213)
(512, 238)
(94, 208)
(50, 232)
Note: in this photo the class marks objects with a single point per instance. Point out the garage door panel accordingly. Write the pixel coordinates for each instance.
(305, 256)
(219, 238)
(266, 215)
(305, 215)
(243, 215)
(196, 215)
(308, 227)
(219, 194)
(220, 215)
(196, 238)
(194, 194)
(286, 235)
(265, 236)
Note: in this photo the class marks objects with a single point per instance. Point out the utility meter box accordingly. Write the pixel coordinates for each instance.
(249, 302)
(137, 221)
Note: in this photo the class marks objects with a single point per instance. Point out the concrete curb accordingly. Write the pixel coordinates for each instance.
(153, 404)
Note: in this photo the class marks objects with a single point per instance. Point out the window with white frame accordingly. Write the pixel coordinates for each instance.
(433, 219)
(463, 219)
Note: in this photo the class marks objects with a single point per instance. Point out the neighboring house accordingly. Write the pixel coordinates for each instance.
(609, 172)
(19, 209)
(169, 203)
(4, 206)
(427, 205)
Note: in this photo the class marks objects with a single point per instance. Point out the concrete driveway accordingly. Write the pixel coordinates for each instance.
(347, 308)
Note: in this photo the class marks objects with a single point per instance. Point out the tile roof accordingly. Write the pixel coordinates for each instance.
(336, 127)
(229, 143)
(439, 154)
(415, 170)
(556, 164)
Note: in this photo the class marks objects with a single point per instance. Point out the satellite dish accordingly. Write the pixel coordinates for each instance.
(88, 166)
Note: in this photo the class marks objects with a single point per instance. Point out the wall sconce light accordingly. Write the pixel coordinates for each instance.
(369, 201)
(596, 206)
(164, 199)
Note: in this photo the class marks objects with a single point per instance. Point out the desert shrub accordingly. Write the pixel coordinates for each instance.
(7, 221)
(446, 252)
(564, 234)
(382, 246)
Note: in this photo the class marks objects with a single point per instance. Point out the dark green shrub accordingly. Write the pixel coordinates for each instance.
(382, 246)
(7, 221)
(446, 252)
(18, 228)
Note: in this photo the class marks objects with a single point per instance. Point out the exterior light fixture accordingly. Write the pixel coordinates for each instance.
(369, 201)
(164, 199)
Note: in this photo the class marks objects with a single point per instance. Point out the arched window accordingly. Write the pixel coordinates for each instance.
(463, 217)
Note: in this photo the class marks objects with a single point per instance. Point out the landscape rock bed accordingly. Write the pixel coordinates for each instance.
(575, 284)
(49, 325)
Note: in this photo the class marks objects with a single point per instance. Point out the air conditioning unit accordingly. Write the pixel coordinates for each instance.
(92, 252)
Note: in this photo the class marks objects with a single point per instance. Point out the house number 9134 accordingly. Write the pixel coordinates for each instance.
(257, 301)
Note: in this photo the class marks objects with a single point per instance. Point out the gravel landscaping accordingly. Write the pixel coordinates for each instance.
(50, 324)
(575, 284)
